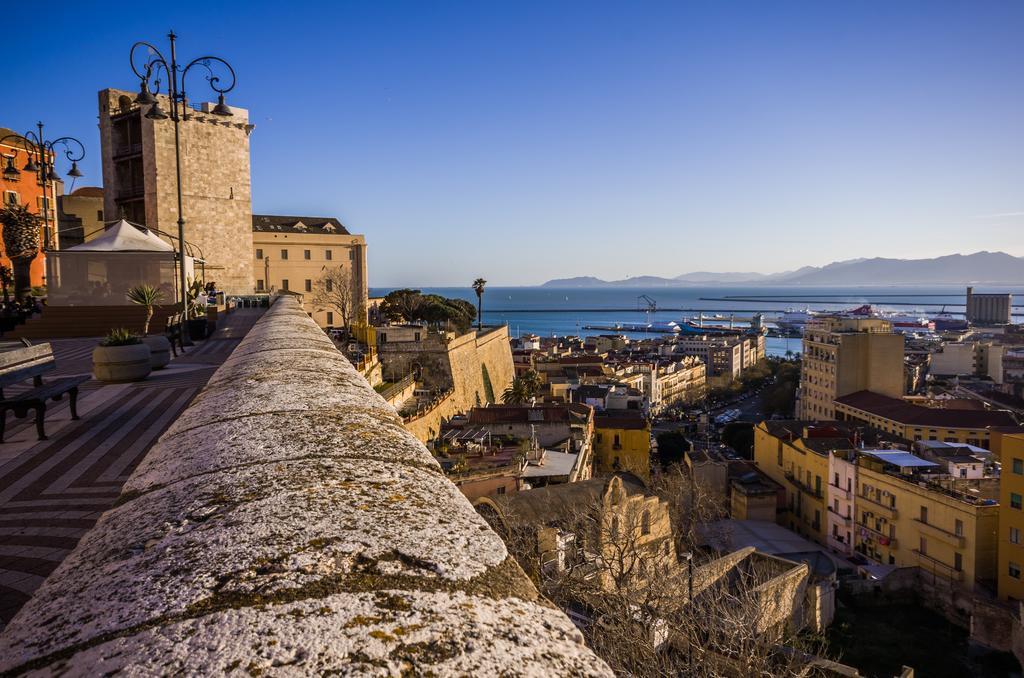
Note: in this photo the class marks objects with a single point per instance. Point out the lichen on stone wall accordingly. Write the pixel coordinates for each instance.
(288, 523)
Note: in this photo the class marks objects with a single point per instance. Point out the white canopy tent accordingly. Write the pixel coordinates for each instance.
(99, 272)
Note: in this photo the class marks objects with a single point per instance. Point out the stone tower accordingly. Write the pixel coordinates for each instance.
(140, 184)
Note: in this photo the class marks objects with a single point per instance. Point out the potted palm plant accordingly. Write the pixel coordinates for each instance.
(121, 356)
(148, 296)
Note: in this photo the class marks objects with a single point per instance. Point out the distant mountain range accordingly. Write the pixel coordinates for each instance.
(954, 269)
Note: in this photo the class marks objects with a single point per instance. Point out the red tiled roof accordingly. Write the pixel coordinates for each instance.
(903, 412)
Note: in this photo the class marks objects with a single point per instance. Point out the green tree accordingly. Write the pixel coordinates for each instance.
(517, 393)
(672, 448)
(478, 286)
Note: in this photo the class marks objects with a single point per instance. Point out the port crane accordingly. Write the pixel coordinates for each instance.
(647, 305)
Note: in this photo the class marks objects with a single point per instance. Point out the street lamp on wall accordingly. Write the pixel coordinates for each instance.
(150, 70)
(42, 156)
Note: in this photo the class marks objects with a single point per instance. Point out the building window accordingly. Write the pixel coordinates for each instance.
(1014, 570)
(645, 523)
(501, 490)
(330, 317)
(924, 514)
(1018, 467)
(329, 285)
(284, 255)
(10, 197)
(284, 284)
(1014, 535)
(259, 253)
(351, 255)
(259, 285)
(309, 285)
(306, 254)
(328, 255)
(958, 561)
(1015, 500)
(958, 528)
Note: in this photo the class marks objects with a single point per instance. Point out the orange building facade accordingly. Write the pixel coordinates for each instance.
(26, 190)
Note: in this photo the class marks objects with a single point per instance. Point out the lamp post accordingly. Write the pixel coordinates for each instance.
(150, 71)
(42, 156)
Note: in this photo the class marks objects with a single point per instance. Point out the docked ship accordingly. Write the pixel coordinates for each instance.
(947, 322)
(901, 322)
(794, 320)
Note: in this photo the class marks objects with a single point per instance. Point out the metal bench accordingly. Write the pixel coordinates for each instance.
(32, 362)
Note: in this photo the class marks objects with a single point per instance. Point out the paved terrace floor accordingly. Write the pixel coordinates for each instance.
(53, 491)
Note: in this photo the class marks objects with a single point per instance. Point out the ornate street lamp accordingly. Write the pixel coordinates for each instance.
(42, 155)
(150, 71)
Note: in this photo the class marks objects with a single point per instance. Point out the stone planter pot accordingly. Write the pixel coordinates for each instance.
(159, 350)
(121, 363)
(197, 328)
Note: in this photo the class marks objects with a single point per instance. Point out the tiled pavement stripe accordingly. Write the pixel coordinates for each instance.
(22, 582)
(88, 412)
(42, 552)
(89, 493)
(25, 513)
(118, 430)
(84, 504)
(196, 378)
(38, 566)
(65, 543)
(53, 453)
(81, 524)
(118, 467)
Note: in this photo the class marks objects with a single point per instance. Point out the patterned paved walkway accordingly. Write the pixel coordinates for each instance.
(53, 491)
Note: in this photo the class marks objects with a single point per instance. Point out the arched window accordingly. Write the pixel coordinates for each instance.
(615, 527)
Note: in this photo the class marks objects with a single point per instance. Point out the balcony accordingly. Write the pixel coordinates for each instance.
(938, 567)
(882, 538)
(954, 540)
(803, 487)
(840, 492)
(878, 507)
(846, 521)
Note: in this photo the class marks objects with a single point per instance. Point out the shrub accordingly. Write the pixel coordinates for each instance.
(120, 337)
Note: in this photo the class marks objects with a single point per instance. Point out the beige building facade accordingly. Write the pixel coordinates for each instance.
(307, 255)
(843, 355)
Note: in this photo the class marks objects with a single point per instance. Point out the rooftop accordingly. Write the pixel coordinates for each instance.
(896, 409)
(284, 224)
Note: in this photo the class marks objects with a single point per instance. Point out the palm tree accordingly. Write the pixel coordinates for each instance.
(532, 381)
(21, 243)
(517, 393)
(478, 287)
(148, 296)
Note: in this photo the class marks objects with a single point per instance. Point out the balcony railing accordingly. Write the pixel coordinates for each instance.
(840, 492)
(876, 506)
(803, 487)
(955, 540)
(938, 567)
(879, 536)
(845, 520)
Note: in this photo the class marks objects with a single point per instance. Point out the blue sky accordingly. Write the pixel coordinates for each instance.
(525, 141)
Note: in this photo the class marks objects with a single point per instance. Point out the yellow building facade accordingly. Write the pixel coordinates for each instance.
(899, 522)
(843, 355)
(1009, 449)
(782, 452)
(299, 254)
(622, 443)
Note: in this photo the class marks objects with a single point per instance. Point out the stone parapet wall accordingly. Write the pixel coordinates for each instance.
(287, 523)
